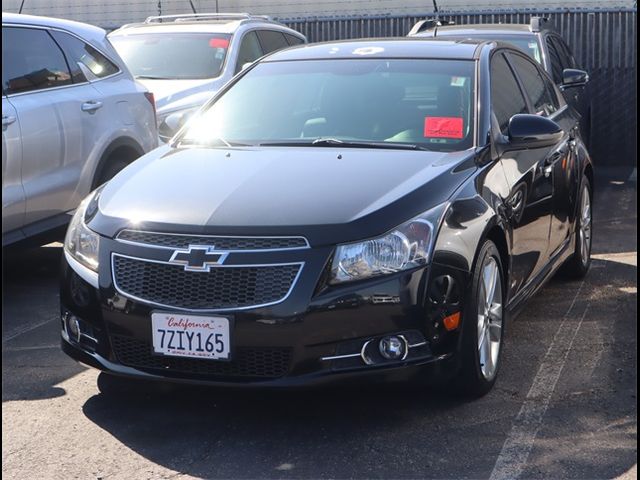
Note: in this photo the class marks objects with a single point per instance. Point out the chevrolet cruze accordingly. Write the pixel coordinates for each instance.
(361, 210)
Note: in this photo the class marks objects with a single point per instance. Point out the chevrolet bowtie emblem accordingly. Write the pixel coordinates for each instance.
(198, 258)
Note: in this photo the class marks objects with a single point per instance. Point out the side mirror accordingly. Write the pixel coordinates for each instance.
(572, 77)
(533, 131)
(174, 122)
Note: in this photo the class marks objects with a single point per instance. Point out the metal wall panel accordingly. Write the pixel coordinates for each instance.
(603, 40)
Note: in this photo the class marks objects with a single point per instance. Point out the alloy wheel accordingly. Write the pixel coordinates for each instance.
(489, 317)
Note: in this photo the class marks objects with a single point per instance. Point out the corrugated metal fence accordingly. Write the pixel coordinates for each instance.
(604, 43)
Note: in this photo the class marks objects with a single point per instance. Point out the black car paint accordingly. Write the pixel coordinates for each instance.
(319, 319)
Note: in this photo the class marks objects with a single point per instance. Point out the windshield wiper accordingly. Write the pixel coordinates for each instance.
(334, 142)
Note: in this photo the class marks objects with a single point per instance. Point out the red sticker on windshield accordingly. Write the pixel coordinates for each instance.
(443, 127)
(218, 43)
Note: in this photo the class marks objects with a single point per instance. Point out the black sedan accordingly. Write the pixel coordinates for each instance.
(362, 210)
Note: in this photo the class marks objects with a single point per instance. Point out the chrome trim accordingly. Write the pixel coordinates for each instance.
(89, 337)
(206, 266)
(150, 245)
(85, 273)
(362, 355)
(406, 346)
(351, 355)
(211, 310)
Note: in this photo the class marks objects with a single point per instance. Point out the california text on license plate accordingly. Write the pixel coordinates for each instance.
(192, 336)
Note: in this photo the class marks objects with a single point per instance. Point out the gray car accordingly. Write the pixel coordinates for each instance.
(185, 59)
(72, 117)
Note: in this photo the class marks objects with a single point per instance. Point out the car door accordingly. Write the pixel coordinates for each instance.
(56, 109)
(559, 162)
(530, 203)
(12, 191)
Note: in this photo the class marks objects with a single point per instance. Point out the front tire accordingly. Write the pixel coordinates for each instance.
(483, 326)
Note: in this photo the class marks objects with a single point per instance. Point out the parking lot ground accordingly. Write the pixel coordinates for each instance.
(564, 405)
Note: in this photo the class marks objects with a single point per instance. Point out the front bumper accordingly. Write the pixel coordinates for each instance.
(312, 338)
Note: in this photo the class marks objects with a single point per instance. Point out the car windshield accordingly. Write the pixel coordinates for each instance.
(175, 56)
(376, 103)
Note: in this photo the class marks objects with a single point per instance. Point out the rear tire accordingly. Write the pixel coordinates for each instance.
(578, 265)
(483, 325)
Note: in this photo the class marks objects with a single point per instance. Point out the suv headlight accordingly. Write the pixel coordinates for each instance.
(80, 242)
(403, 248)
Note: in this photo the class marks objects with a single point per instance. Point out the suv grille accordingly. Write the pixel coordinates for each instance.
(220, 288)
(257, 362)
(220, 243)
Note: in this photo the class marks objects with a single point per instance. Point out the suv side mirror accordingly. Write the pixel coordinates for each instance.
(533, 131)
(572, 77)
(174, 122)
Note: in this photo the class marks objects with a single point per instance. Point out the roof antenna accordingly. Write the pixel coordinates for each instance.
(21, 5)
(192, 7)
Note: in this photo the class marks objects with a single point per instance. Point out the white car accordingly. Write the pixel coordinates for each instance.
(72, 117)
(185, 59)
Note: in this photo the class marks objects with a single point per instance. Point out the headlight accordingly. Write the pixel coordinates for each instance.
(80, 242)
(405, 247)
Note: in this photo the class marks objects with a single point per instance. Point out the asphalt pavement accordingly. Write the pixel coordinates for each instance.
(564, 405)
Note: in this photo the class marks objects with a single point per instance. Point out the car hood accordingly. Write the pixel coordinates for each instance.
(173, 95)
(329, 195)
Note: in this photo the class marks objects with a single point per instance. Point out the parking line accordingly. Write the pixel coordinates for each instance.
(38, 347)
(518, 444)
(26, 330)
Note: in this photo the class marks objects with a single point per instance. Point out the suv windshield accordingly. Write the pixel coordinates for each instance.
(378, 103)
(177, 56)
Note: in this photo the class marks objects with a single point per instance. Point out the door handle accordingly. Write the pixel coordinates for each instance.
(7, 120)
(91, 106)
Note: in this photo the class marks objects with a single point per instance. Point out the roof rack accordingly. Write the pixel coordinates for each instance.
(538, 23)
(428, 24)
(196, 17)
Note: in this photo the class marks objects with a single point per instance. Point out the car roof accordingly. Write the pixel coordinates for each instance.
(485, 29)
(89, 33)
(402, 47)
(201, 23)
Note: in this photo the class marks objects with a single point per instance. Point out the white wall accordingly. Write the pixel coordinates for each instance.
(116, 12)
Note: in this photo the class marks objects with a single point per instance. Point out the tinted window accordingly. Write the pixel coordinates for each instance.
(271, 41)
(421, 102)
(81, 54)
(31, 60)
(250, 50)
(556, 62)
(506, 97)
(534, 85)
(293, 40)
(565, 53)
(169, 55)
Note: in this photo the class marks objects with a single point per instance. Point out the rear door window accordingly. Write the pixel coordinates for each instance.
(534, 85)
(83, 57)
(31, 60)
(272, 40)
(506, 97)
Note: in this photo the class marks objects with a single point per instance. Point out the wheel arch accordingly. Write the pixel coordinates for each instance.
(122, 147)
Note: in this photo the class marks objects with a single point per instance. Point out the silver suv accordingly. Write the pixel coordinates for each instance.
(72, 117)
(185, 59)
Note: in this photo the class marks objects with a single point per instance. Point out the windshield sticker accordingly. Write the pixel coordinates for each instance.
(457, 81)
(443, 127)
(218, 43)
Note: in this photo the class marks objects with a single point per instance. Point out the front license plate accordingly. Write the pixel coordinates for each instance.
(191, 336)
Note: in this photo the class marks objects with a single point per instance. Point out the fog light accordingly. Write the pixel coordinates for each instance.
(393, 347)
(73, 327)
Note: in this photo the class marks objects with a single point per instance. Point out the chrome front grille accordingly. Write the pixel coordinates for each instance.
(170, 240)
(222, 288)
